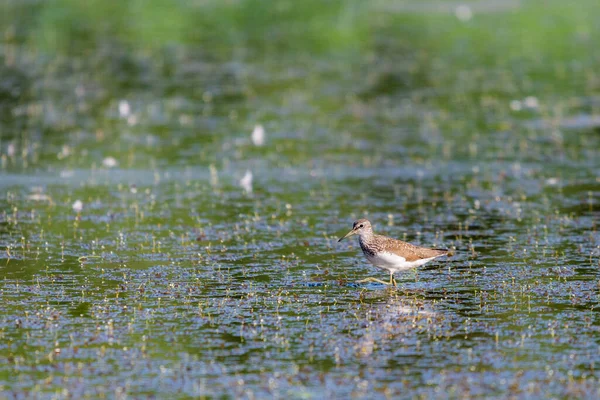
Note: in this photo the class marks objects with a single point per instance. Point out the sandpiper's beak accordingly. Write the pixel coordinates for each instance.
(352, 232)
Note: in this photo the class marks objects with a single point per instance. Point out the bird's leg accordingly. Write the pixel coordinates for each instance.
(392, 280)
(369, 279)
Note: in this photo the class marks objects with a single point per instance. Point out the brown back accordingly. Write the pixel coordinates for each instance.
(409, 251)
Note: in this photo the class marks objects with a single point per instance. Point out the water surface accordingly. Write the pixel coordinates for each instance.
(473, 128)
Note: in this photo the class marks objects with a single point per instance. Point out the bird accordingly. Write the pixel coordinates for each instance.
(390, 254)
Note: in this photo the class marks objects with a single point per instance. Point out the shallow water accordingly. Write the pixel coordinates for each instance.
(174, 279)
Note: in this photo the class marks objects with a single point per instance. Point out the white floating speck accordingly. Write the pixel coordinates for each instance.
(246, 182)
(78, 206)
(516, 105)
(463, 12)
(124, 108)
(39, 197)
(11, 150)
(110, 162)
(185, 120)
(214, 175)
(258, 135)
(64, 152)
(552, 181)
(531, 102)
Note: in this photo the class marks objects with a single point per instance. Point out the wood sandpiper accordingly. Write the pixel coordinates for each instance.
(390, 254)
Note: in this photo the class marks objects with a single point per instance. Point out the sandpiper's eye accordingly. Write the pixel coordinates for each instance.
(361, 225)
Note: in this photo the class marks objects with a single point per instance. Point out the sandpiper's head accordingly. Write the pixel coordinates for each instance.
(360, 227)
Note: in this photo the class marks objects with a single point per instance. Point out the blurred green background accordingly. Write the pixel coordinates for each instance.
(69, 60)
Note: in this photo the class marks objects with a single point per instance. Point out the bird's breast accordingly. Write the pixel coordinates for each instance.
(385, 259)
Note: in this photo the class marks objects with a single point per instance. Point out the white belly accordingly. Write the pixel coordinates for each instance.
(393, 262)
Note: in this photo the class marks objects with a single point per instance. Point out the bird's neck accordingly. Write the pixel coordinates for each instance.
(366, 237)
(366, 241)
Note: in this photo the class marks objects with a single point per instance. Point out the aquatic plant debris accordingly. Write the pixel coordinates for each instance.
(258, 135)
(463, 12)
(77, 206)
(110, 162)
(246, 182)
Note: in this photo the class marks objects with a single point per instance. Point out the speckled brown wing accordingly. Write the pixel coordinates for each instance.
(410, 252)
